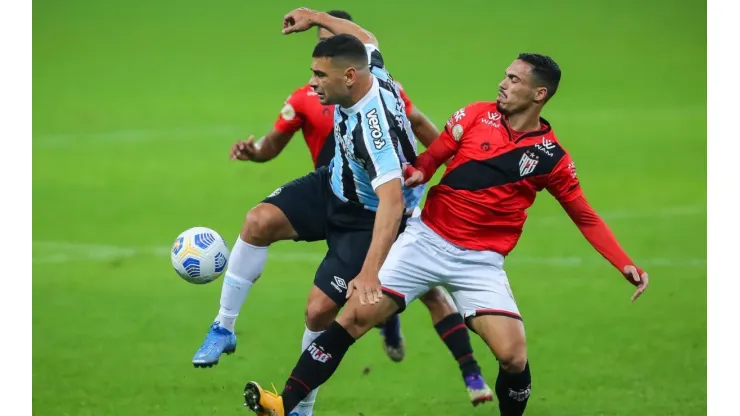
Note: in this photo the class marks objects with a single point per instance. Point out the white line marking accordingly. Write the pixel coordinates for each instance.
(587, 115)
(136, 135)
(78, 252)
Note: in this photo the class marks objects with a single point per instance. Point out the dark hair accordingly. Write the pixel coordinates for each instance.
(546, 71)
(342, 46)
(340, 14)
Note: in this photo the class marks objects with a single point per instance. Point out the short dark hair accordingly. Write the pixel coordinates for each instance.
(342, 46)
(546, 71)
(340, 14)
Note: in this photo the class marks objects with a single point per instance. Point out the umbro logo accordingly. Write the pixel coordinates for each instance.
(339, 284)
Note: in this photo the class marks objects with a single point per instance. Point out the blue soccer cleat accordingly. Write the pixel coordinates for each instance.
(218, 341)
(393, 342)
(478, 390)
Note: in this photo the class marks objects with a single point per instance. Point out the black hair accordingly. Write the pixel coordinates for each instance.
(342, 46)
(340, 14)
(546, 71)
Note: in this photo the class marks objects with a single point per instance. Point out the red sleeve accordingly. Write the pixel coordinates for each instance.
(291, 116)
(563, 182)
(442, 148)
(446, 145)
(598, 233)
(406, 100)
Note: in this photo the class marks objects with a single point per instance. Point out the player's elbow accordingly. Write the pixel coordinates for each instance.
(369, 38)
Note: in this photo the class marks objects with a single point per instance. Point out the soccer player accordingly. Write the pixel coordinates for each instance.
(503, 153)
(358, 204)
(303, 111)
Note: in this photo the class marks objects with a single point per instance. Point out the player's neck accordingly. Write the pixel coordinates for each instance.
(359, 91)
(528, 120)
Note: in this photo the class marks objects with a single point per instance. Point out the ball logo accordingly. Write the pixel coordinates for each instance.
(375, 131)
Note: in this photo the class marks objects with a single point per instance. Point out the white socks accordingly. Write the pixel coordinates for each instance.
(305, 407)
(246, 263)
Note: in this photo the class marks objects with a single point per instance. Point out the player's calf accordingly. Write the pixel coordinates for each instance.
(450, 327)
(321, 359)
(505, 336)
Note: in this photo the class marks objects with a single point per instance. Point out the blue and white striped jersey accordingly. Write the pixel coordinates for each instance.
(373, 140)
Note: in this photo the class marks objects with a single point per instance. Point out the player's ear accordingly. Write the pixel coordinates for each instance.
(540, 94)
(350, 76)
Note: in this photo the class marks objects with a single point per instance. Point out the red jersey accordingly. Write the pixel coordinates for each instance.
(303, 111)
(495, 175)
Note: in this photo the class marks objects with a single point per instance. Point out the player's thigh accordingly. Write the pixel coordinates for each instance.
(342, 263)
(303, 204)
(481, 291)
(505, 336)
(412, 266)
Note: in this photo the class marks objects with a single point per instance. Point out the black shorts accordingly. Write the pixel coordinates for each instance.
(317, 214)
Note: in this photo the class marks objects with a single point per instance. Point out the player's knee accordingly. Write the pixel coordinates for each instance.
(320, 313)
(262, 225)
(438, 304)
(513, 359)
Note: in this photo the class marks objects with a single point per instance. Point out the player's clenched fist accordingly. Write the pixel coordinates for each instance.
(299, 20)
(244, 150)
(413, 177)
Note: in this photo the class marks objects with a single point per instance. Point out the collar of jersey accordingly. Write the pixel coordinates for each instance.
(364, 100)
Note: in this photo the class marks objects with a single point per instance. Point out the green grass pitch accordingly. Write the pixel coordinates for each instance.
(136, 102)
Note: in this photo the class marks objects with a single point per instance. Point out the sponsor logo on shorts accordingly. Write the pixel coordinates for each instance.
(317, 353)
(339, 284)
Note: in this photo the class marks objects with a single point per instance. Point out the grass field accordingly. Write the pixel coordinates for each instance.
(136, 103)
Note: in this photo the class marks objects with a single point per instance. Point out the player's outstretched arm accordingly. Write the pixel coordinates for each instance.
(423, 128)
(387, 222)
(439, 152)
(263, 150)
(302, 19)
(603, 240)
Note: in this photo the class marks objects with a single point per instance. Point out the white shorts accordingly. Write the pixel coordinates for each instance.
(421, 259)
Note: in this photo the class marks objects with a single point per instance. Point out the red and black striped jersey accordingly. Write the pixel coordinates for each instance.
(493, 177)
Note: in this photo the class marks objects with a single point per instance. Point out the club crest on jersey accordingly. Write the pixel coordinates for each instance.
(375, 131)
(528, 163)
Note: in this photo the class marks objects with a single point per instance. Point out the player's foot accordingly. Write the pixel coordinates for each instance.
(264, 403)
(478, 389)
(393, 342)
(218, 341)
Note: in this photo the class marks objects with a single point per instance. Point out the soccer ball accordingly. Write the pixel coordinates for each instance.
(199, 255)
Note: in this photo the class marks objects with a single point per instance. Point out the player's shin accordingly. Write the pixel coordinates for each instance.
(454, 334)
(305, 407)
(317, 364)
(246, 263)
(513, 389)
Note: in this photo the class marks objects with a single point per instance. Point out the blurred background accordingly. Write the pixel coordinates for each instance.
(136, 103)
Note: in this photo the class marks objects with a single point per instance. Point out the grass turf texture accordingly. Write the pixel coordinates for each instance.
(136, 103)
